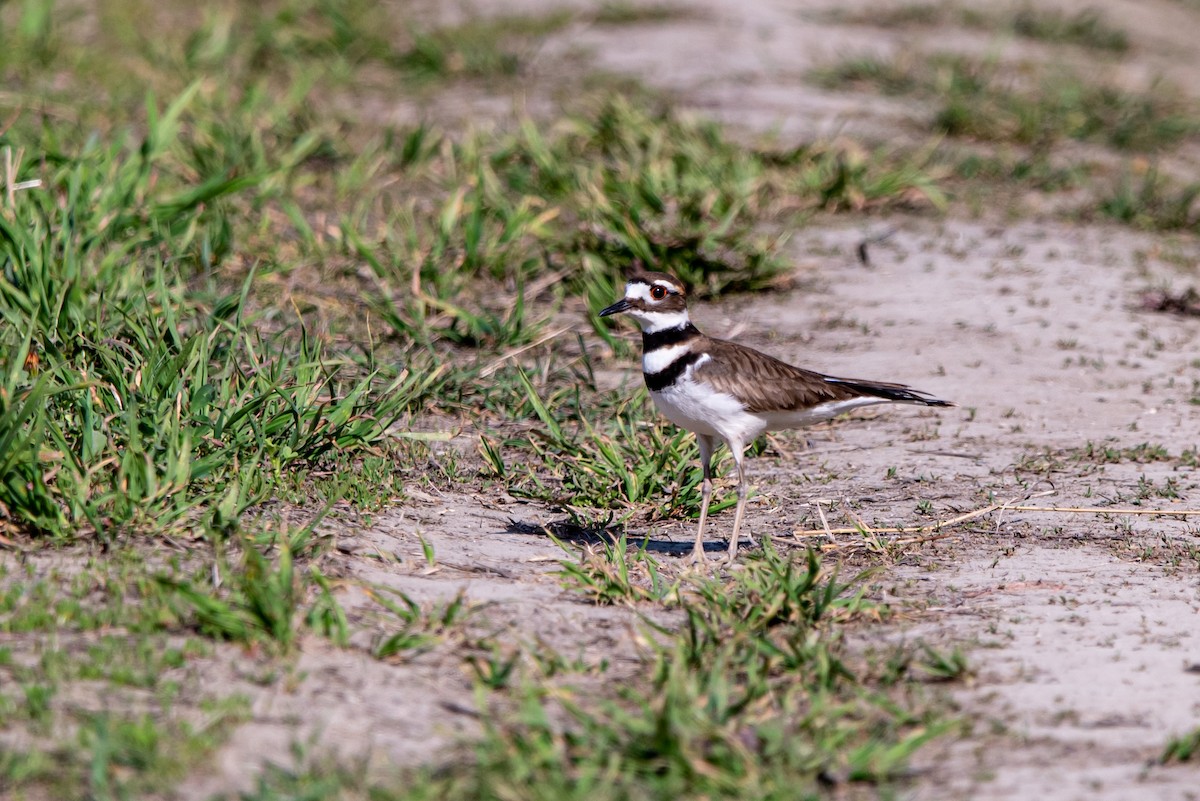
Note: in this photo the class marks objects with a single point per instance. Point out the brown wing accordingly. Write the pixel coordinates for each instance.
(768, 384)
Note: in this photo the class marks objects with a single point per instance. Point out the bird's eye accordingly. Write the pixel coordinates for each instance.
(658, 292)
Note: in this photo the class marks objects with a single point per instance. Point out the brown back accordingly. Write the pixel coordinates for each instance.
(767, 384)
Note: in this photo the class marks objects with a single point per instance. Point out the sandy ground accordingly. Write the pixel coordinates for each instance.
(1081, 629)
(1084, 661)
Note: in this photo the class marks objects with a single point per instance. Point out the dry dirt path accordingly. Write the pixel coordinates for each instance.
(1085, 659)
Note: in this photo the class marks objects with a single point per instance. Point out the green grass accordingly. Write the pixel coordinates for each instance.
(119, 756)
(1152, 201)
(607, 187)
(1034, 170)
(1182, 749)
(233, 297)
(615, 463)
(494, 47)
(1087, 28)
(746, 701)
(623, 12)
(261, 604)
(420, 628)
(610, 574)
(611, 184)
(126, 398)
(986, 101)
(978, 104)
(900, 16)
(110, 628)
(1011, 126)
(1105, 453)
(746, 690)
(886, 76)
(752, 695)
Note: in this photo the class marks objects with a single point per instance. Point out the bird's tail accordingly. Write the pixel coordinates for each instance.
(897, 393)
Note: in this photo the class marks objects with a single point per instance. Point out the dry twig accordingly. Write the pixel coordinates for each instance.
(936, 531)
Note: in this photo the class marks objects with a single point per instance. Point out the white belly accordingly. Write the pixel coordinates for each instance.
(817, 414)
(697, 408)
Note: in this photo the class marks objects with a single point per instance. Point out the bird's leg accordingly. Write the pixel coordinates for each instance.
(706, 451)
(739, 458)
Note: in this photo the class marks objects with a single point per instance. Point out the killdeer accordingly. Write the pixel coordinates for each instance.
(721, 390)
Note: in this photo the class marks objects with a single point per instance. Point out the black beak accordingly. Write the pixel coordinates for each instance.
(618, 307)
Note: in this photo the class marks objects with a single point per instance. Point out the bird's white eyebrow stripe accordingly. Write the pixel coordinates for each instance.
(637, 291)
(640, 290)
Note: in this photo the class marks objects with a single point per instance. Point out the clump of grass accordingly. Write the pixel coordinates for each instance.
(623, 12)
(420, 628)
(1184, 748)
(844, 176)
(583, 200)
(259, 603)
(1036, 170)
(480, 48)
(1143, 453)
(283, 37)
(912, 15)
(117, 755)
(615, 464)
(603, 189)
(979, 100)
(887, 76)
(673, 193)
(941, 665)
(978, 105)
(126, 402)
(102, 624)
(1152, 201)
(1087, 27)
(610, 574)
(751, 700)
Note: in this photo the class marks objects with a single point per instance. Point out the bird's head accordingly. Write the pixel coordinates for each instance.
(656, 300)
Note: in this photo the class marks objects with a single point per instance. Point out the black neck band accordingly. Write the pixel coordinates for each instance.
(656, 382)
(668, 337)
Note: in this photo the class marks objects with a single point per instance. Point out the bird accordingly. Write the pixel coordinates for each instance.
(720, 390)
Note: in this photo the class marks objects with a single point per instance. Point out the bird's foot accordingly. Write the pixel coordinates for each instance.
(731, 554)
(751, 544)
(696, 557)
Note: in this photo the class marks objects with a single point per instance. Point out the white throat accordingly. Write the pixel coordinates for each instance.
(655, 321)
